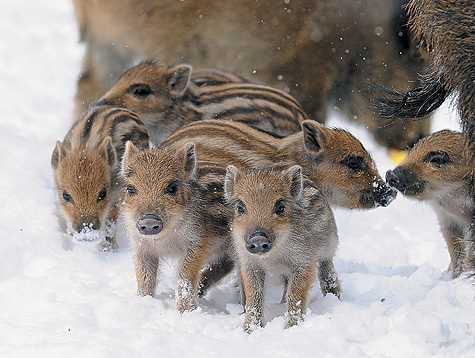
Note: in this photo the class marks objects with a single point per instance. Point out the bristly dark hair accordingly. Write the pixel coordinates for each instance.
(416, 103)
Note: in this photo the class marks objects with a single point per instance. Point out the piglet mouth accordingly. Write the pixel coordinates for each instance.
(415, 189)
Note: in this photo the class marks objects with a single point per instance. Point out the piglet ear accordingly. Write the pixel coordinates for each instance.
(130, 152)
(109, 151)
(229, 180)
(294, 174)
(178, 79)
(58, 155)
(314, 137)
(190, 161)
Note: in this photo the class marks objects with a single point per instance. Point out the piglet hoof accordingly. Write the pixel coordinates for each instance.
(293, 321)
(332, 286)
(183, 306)
(251, 324)
(334, 289)
(185, 296)
(295, 317)
(144, 292)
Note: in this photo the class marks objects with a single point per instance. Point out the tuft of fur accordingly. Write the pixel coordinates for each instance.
(297, 222)
(447, 28)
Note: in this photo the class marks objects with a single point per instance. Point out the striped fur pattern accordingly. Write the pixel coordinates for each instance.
(282, 226)
(170, 97)
(332, 158)
(186, 202)
(85, 169)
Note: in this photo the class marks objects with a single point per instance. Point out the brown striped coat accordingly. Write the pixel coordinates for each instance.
(167, 98)
(85, 166)
(333, 159)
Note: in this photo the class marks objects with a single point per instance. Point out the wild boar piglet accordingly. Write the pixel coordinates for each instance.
(282, 226)
(174, 209)
(439, 170)
(86, 166)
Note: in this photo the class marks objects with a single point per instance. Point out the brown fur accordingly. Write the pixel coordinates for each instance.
(194, 218)
(85, 165)
(299, 231)
(439, 170)
(323, 153)
(324, 52)
(171, 97)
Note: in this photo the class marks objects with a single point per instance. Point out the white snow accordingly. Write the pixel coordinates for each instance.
(60, 300)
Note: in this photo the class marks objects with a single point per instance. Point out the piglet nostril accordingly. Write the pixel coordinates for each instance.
(259, 243)
(150, 224)
(391, 178)
(396, 179)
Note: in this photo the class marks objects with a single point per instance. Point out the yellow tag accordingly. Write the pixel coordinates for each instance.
(397, 156)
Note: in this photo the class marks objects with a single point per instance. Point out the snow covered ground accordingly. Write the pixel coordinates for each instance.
(78, 303)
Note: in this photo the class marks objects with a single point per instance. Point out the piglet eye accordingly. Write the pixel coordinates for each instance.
(140, 90)
(67, 197)
(437, 158)
(102, 195)
(215, 188)
(172, 188)
(279, 207)
(131, 190)
(240, 208)
(353, 162)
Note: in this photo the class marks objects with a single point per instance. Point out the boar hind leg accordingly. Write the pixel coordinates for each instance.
(299, 286)
(328, 278)
(214, 273)
(146, 269)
